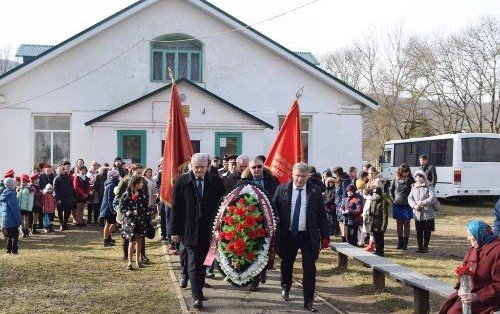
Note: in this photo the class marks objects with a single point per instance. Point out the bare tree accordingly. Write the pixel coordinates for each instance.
(6, 59)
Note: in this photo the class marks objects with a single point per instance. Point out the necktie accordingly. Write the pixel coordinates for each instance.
(199, 188)
(296, 214)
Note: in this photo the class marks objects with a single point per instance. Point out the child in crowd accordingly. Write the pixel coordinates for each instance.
(37, 202)
(380, 215)
(49, 208)
(352, 214)
(10, 214)
(25, 196)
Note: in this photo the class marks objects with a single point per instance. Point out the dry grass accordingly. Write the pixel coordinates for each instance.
(71, 272)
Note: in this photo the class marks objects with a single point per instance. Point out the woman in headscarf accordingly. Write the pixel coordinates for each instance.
(483, 264)
(422, 200)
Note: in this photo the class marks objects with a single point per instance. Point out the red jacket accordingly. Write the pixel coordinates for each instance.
(485, 268)
(49, 204)
(82, 187)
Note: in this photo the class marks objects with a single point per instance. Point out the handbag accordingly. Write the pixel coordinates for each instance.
(150, 231)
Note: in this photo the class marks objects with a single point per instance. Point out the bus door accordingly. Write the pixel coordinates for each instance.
(386, 161)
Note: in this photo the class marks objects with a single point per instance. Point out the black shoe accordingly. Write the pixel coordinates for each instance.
(400, 243)
(139, 265)
(204, 299)
(207, 285)
(184, 283)
(106, 243)
(405, 244)
(285, 294)
(253, 286)
(9, 251)
(424, 250)
(263, 277)
(309, 306)
(15, 252)
(129, 267)
(198, 304)
(419, 250)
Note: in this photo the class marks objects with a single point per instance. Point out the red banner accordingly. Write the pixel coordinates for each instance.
(177, 150)
(287, 148)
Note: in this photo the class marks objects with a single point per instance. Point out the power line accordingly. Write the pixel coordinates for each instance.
(151, 40)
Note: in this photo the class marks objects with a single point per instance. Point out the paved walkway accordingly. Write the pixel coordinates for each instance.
(226, 298)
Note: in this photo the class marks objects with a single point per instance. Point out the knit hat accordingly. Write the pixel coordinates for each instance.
(9, 174)
(47, 188)
(113, 174)
(9, 183)
(378, 191)
(328, 172)
(351, 188)
(25, 178)
(34, 176)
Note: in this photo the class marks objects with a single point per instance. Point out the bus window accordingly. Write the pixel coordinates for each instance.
(386, 158)
(399, 154)
(480, 149)
(441, 153)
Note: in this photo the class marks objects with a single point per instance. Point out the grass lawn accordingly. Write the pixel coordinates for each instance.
(71, 272)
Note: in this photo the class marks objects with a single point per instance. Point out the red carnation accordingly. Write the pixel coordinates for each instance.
(250, 221)
(252, 235)
(228, 236)
(240, 252)
(462, 270)
(230, 247)
(242, 201)
(221, 235)
(228, 220)
(250, 256)
(240, 212)
(240, 227)
(260, 218)
(231, 209)
(135, 197)
(240, 244)
(260, 232)
(251, 208)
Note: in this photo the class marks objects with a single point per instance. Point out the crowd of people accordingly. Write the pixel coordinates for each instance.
(125, 198)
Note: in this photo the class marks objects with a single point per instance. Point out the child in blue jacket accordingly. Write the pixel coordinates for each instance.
(11, 215)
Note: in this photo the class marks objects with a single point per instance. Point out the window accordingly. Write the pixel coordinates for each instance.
(132, 146)
(181, 54)
(228, 143)
(51, 139)
(305, 123)
(480, 149)
(440, 153)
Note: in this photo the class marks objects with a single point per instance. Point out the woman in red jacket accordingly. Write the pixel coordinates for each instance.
(81, 185)
(483, 262)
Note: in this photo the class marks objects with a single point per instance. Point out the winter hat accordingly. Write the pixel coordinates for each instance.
(117, 158)
(34, 176)
(9, 174)
(9, 183)
(328, 172)
(25, 178)
(378, 191)
(351, 188)
(47, 188)
(113, 174)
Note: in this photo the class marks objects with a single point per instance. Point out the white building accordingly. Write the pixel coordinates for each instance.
(104, 92)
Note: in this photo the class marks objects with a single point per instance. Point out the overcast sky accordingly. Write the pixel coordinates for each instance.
(320, 27)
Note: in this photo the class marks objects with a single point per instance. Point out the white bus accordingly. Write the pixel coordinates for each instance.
(467, 164)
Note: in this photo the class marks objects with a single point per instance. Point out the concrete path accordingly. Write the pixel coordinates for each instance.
(226, 298)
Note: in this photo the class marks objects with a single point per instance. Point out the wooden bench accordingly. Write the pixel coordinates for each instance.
(383, 267)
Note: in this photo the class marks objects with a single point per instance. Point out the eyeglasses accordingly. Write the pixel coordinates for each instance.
(257, 167)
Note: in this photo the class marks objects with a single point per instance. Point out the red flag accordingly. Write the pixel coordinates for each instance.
(287, 148)
(177, 149)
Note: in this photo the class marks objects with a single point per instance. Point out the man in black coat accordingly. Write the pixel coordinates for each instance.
(65, 195)
(430, 170)
(302, 218)
(262, 177)
(196, 198)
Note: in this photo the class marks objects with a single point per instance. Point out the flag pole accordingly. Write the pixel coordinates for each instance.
(299, 93)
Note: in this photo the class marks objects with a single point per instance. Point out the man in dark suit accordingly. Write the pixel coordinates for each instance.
(262, 177)
(430, 170)
(302, 218)
(196, 198)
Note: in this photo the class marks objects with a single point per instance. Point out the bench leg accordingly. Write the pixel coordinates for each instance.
(378, 280)
(421, 300)
(342, 261)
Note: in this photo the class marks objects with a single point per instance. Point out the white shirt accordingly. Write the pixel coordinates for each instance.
(303, 207)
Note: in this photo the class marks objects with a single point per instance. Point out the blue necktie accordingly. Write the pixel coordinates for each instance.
(296, 214)
(199, 188)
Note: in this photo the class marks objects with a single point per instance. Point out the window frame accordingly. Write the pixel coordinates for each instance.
(142, 133)
(51, 131)
(281, 119)
(176, 52)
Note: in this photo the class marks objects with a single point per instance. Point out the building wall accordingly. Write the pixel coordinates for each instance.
(235, 68)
